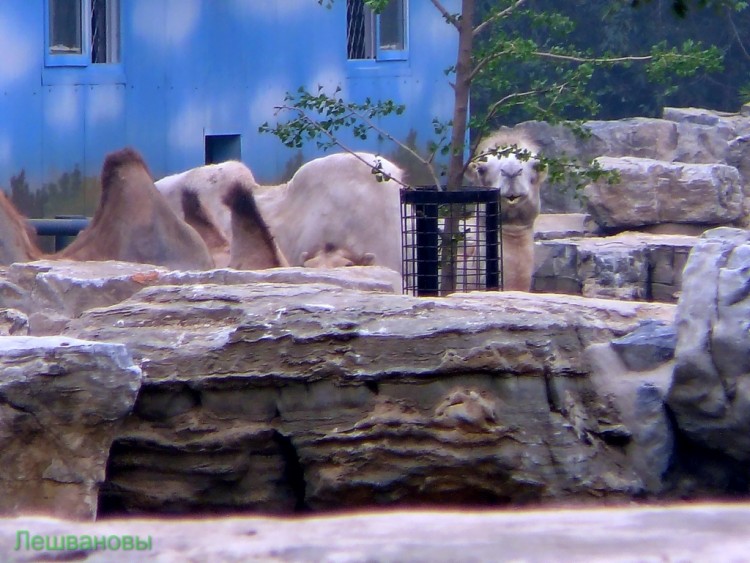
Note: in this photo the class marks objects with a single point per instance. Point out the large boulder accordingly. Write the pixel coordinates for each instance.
(62, 401)
(650, 192)
(275, 396)
(686, 135)
(710, 392)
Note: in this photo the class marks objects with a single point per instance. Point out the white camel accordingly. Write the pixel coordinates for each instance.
(334, 208)
(519, 178)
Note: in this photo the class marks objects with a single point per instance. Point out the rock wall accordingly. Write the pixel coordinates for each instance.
(276, 397)
(630, 266)
(272, 397)
(284, 396)
(684, 135)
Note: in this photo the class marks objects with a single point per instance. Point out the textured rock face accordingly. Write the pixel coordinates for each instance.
(651, 192)
(275, 397)
(62, 401)
(695, 532)
(685, 135)
(53, 292)
(631, 266)
(710, 393)
(13, 323)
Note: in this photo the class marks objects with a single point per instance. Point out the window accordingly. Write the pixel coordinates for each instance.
(220, 148)
(376, 36)
(83, 32)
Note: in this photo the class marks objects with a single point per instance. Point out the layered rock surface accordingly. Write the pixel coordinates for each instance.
(683, 135)
(652, 192)
(50, 293)
(62, 401)
(276, 397)
(630, 266)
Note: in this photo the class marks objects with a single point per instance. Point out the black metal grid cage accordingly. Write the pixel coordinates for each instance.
(451, 240)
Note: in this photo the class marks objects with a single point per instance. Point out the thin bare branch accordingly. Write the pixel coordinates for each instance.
(501, 14)
(736, 33)
(574, 59)
(382, 132)
(484, 62)
(450, 18)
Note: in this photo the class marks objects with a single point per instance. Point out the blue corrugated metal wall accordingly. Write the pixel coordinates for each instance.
(192, 68)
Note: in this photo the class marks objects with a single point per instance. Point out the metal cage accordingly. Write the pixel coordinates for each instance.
(451, 240)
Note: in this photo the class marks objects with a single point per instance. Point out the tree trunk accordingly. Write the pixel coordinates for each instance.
(461, 91)
(458, 141)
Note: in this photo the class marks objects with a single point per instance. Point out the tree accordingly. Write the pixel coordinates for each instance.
(520, 53)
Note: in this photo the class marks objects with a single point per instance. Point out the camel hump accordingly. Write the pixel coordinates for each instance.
(127, 156)
(193, 209)
(241, 201)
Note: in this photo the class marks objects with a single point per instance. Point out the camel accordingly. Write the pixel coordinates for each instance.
(134, 223)
(17, 237)
(336, 201)
(204, 209)
(252, 246)
(330, 256)
(519, 181)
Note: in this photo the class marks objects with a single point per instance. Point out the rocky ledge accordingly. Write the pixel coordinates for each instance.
(693, 532)
(277, 397)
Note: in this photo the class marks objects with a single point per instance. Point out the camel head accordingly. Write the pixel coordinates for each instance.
(517, 174)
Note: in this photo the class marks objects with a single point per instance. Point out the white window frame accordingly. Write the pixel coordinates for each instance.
(84, 58)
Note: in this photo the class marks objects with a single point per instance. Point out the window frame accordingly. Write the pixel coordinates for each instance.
(372, 26)
(69, 60)
(84, 59)
(393, 54)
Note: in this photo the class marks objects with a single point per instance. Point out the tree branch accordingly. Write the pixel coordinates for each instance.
(503, 13)
(372, 125)
(450, 18)
(574, 59)
(736, 33)
(314, 123)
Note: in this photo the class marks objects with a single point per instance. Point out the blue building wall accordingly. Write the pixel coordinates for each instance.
(191, 68)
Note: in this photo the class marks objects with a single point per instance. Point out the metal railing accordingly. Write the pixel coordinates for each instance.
(62, 228)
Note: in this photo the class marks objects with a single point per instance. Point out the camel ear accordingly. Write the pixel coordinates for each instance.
(368, 259)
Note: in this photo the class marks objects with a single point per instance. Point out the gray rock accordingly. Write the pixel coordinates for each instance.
(61, 402)
(275, 396)
(13, 323)
(686, 135)
(738, 155)
(651, 192)
(680, 532)
(709, 394)
(650, 345)
(638, 398)
(630, 265)
(52, 292)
